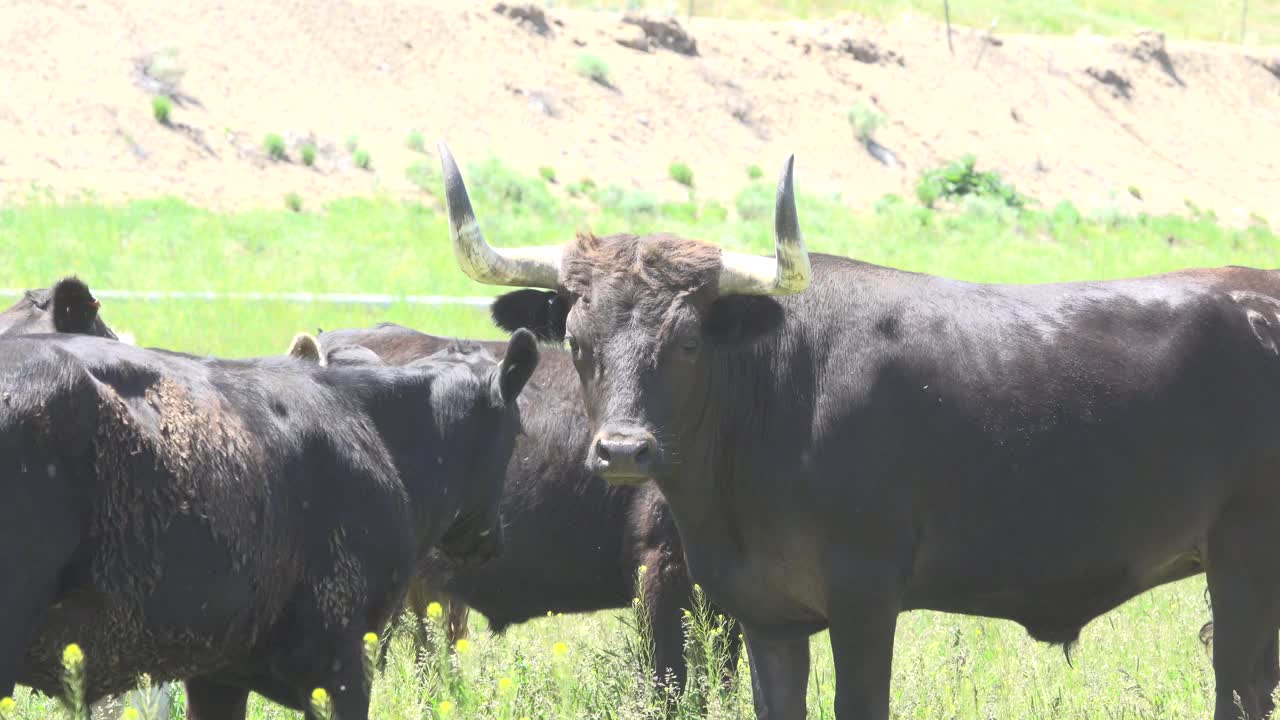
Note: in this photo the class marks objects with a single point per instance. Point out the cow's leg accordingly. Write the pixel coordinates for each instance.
(211, 700)
(1244, 582)
(779, 660)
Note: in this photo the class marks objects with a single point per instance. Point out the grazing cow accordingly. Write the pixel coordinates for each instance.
(238, 524)
(67, 307)
(575, 543)
(840, 442)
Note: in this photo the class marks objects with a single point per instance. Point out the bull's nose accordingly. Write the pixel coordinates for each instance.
(623, 457)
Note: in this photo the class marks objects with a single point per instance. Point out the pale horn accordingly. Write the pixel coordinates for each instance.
(787, 273)
(537, 266)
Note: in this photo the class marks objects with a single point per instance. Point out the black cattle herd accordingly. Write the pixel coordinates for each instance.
(820, 443)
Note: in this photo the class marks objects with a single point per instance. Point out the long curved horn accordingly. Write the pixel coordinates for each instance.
(537, 266)
(788, 272)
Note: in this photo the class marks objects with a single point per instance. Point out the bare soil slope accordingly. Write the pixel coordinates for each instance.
(1080, 118)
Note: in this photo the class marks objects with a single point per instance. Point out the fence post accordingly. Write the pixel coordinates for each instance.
(946, 10)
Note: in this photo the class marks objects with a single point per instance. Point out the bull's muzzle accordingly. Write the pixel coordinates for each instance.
(623, 456)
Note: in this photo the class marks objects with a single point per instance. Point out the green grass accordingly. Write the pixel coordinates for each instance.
(1142, 661)
(1208, 20)
(308, 154)
(681, 173)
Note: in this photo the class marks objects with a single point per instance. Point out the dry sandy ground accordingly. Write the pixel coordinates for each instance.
(75, 109)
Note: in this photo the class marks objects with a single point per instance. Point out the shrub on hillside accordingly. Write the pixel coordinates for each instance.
(273, 144)
(593, 68)
(959, 179)
(681, 173)
(162, 108)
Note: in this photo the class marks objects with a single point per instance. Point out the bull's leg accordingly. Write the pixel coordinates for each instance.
(862, 647)
(39, 534)
(1244, 582)
(779, 660)
(210, 700)
(666, 597)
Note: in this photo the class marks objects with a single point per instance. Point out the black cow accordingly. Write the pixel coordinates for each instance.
(67, 307)
(575, 543)
(239, 524)
(840, 442)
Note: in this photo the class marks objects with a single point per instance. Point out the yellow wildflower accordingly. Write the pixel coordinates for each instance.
(320, 696)
(559, 649)
(130, 714)
(72, 656)
(445, 708)
(643, 569)
(463, 646)
(505, 685)
(434, 611)
(6, 707)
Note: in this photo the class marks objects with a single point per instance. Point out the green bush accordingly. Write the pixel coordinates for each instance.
(681, 173)
(755, 172)
(548, 173)
(162, 108)
(715, 212)
(959, 179)
(500, 189)
(362, 159)
(865, 120)
(274, 145)
(416, 142)
(592, 67)
(308, 154)
(293, 201)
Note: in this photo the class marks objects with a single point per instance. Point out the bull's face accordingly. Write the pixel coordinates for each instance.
(482, 417)
(644, 317)
(474, 408)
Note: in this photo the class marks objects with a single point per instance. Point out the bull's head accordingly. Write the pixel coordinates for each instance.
(645, 318)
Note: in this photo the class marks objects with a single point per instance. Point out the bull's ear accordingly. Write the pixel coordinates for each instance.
(75, 309)
(517, 366)
(305, 346)
(541, 311)
(740, 319)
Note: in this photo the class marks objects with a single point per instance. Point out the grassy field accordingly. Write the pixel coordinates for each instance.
(1142, 661)
(1208, 20)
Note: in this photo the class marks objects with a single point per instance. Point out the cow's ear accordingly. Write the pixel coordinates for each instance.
(74, 308)
(517, 366)
(740, 319)
(543, 312)
(305, 346)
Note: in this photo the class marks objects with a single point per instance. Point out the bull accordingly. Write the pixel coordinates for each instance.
(575, 543)
(840, 442)
(237, 524)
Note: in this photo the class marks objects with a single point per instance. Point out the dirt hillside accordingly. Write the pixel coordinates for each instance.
(1082, 118)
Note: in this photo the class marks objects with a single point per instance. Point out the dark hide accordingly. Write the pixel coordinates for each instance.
(1040, 453)
(67, 307)
(241, 524)
(574, 543)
